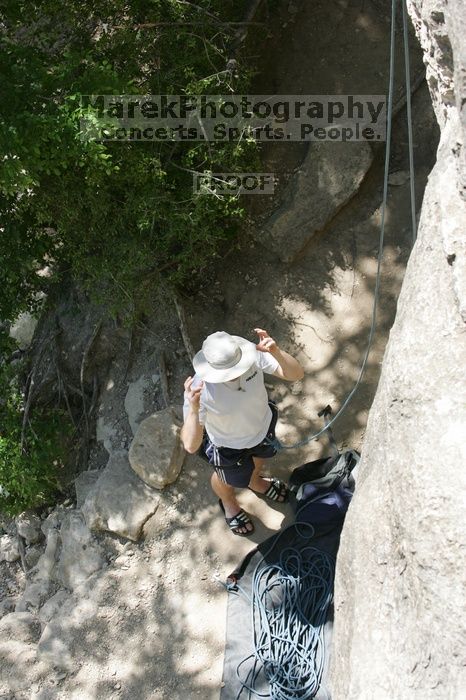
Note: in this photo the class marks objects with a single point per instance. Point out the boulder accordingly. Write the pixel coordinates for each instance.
(32, 556)
(157, 453)
(329, 177)
(53, 520)
(34, 595)
(51, 607)
(46, 564)
(84, 484)
(53, 650)
(80, 556)
(43, 576)
(7, 605)
(9, 548)
(120, 502)
(106, 433)
(67, 617)
(28, 526)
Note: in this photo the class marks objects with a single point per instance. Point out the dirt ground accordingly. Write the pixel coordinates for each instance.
(158, 629)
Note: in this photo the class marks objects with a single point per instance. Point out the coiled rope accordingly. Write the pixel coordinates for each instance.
(290, 600)
(277, 444)
(289, 606)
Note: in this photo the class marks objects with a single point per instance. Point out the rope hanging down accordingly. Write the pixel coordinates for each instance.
(276, 443)
(409, 120)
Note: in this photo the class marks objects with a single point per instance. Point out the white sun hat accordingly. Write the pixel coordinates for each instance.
(224, 357)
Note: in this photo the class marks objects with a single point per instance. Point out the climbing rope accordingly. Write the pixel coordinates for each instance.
(409, 120)
(277, 444)
(289, 606)
(290, 599)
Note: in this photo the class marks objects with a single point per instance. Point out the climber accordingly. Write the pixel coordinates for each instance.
(227, 417)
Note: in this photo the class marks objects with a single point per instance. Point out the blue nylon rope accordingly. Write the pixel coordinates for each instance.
(289, 606)
(409, 121)
(290, 599)
(275, 442)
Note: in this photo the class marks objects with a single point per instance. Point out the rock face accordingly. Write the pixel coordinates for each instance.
(441, 28)
(400, 583)
(120, 502)
(329, 176)
(156, 453)
(72, 329)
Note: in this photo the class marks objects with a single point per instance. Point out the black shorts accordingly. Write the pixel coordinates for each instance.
(235, 466)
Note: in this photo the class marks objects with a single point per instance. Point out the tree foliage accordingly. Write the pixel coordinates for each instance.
(119, 216)
(30, 460)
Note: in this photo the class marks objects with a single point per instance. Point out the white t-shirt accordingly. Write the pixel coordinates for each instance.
(236, 414)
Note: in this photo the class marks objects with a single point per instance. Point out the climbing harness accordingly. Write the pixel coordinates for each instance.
(277, 444)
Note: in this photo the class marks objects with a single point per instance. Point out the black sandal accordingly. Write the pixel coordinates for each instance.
(277, 489)
(241, 519)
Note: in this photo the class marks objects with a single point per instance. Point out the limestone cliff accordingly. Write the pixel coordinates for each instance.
(400, 587)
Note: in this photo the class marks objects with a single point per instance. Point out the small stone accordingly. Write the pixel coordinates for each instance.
(8, 548)
(7, 605)
(400, 177)
(80, 555)
(33, 555)
(117, 686)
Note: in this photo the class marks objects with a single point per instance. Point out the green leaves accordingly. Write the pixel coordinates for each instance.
(108, 212)
(29, 475)
(120, 217)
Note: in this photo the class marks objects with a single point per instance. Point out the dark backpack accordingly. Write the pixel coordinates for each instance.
(326, 473)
